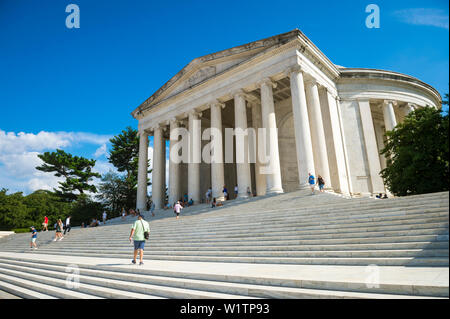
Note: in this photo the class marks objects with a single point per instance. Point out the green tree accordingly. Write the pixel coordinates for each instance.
(13, 213)
(417, 154)
(84, 209)
(124, 155)
(77, 171)
(113, 192)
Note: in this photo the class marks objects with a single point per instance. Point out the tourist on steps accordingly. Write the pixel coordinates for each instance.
(152, 209)
(33, 238)
(59, 227)
(45, 224)
(177, 209)
(321, 183)
(68, 226)
(225, 193)
(312, 183)
(138, 230)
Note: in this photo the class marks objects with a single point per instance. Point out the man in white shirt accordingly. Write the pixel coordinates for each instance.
(68, 227)
(177, 209)
(104, 217)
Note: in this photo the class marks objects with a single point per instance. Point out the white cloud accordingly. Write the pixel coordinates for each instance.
(100, 151)
(19, 157)
(424, 16)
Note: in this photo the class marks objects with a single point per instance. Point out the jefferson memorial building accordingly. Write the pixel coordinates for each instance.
(330, 120)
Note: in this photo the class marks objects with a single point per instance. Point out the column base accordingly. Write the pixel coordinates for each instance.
(303, 187)
(242, 196)
(274, 191)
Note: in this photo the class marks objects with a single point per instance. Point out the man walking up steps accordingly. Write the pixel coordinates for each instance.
(139, 233)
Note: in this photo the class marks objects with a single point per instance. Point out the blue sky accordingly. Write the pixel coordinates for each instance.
(69, 82)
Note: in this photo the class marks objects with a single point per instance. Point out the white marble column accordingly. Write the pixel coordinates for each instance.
(305, 159)
(242, 164)
(317, 132)
(158, 171)
(174, 166)
(406, 109)
(371, 148)
(217, 168)
(379, 133)
(389, 115)
(195, 145)
(335, 148)
(260, 179)
(141, 201)
(269, 123)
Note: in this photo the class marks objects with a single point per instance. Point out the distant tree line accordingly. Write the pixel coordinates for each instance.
(76, 194)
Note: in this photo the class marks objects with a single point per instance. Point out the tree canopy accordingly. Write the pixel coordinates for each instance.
(76, 169)
(124, 155)
(417, 154)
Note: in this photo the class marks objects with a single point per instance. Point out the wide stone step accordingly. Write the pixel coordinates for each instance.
(283, 237)
(395, 223)
(244, 286)
(245, 210)
(37, 289)
(439, 227)
(244, 247)
(133, 290)
(292, 242)
(85, 290)
(283, 217)
(232, 253)
(389, 261)
(16, 291)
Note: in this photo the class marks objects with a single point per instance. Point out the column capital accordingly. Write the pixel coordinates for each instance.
(239, 93)
(411, 105)
(155, 127)
(267, 81)
(252, 104)
(194, 113)
(216, 103)
(172, 121)
(293, 69)
(393, 102)
(143, 132)
(310, 81)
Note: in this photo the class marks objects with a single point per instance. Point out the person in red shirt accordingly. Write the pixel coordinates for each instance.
(45, 224)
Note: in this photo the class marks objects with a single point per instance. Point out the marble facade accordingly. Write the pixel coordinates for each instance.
(327, 120)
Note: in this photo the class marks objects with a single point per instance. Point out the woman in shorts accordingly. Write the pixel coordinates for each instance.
(59, 227)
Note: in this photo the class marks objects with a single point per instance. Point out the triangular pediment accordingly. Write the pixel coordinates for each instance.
(207, 67)
(206, 71)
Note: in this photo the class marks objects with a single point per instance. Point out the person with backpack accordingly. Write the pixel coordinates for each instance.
(140, 232)
(321, 183)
